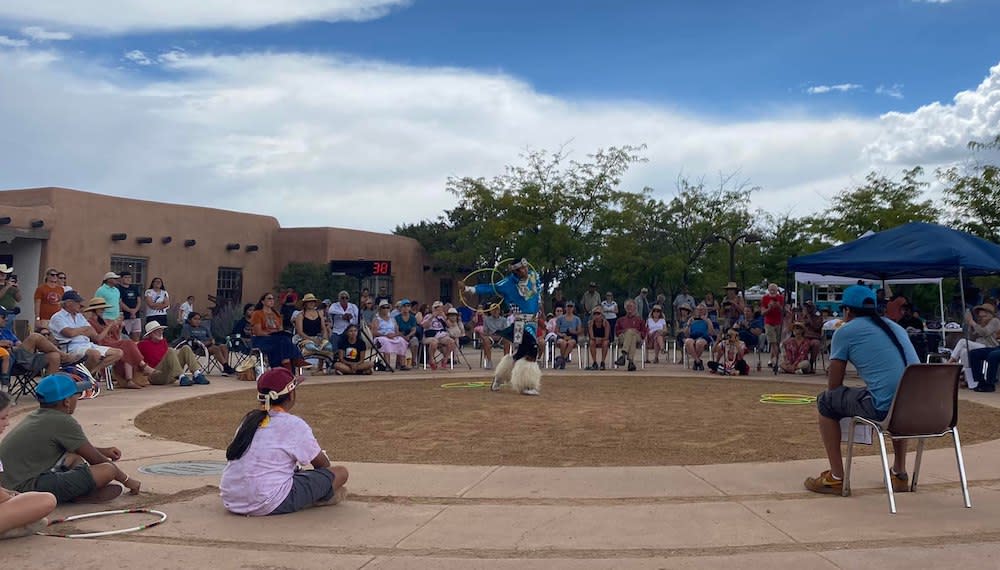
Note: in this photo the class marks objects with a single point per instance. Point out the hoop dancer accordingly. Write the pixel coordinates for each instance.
(520, 291)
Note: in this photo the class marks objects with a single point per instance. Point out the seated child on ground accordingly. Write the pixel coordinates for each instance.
(264, 474)
(730, 355)
(21, 514)
(352, 354)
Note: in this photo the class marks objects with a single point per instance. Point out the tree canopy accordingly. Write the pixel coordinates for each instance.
(576, 223)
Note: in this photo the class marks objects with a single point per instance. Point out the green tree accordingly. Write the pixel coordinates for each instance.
(547, 209)
(695, 219)
(784, 237)
(973, 195)
(879, 204)
(314, 278)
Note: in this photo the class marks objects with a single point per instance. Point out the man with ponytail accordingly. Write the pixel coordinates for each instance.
(880, 351)
(264, 475)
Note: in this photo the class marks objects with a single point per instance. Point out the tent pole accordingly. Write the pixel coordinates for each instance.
(941, 299)
(961, 288)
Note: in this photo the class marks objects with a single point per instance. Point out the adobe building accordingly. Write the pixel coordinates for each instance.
(196, 251)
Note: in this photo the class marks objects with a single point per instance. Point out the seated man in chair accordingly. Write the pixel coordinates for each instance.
(880, 350)
(629, 330)
(72, 330)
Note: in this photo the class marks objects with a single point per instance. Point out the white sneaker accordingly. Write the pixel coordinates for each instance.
(488, 365)
(529, 392)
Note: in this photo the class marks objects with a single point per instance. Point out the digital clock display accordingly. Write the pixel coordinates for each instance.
(361, 267)
(381, 268)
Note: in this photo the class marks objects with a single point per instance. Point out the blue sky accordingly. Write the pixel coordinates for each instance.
(847, 83)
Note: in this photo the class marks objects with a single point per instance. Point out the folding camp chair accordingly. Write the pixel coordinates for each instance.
(925, 406)
(239, 349)
(205, 358)
(24, 376)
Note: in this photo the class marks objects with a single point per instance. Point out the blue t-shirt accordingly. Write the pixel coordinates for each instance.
(862, 343)
(698, 329)
(6, 334)
(568, 325)
(112, 296)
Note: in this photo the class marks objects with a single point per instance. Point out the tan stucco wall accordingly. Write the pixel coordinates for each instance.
(80, 225)
(320, 245)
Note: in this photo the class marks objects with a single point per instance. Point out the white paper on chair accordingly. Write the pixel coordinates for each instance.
(862, 432)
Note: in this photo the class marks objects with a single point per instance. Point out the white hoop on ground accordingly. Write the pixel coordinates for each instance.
(161, 514)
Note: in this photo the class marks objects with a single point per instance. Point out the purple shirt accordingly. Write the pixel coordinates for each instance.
(258, 482)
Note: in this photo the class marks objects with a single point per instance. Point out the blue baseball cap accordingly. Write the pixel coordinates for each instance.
(858, 297)
(58, 387)
(404, 302)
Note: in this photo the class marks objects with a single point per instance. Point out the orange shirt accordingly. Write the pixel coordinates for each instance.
(268, 321)
(49, 295)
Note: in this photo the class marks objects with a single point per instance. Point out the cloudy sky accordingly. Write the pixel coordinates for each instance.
(353, 113)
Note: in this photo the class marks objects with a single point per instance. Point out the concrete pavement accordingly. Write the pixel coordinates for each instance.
(431, 516)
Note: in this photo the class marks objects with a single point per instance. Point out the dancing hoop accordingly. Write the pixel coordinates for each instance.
(787, 399)
(454, 385)
(493, 283)
(161, 514)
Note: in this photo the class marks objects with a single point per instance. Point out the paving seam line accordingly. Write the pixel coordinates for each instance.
(705, 481)
(461, 493)
(992, 537)
(420, 526)
(925, 488)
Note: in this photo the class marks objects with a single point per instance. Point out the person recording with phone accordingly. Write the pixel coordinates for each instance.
(10, 294)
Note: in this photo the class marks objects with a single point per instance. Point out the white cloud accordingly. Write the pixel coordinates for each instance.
(325, 141)
(42, 35)
(99, 16)
(933, 1)
(840, 87)
(172, 56)
(895, 91)
(138, 57)
(6, 41)
(938, 133)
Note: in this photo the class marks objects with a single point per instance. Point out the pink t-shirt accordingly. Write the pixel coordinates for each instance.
(258, 482)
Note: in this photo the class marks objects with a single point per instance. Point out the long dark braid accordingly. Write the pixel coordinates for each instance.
(248, 428)
(872, 313)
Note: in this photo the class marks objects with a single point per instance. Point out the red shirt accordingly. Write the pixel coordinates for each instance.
(772, 316)
(153, 351)
(48, 296)
(626, 322)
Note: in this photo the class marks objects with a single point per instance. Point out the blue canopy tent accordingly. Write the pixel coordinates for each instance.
(910, 251)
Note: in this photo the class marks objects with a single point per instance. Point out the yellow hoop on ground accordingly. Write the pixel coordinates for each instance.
(493, 283)
(787, 399)
(453, 385)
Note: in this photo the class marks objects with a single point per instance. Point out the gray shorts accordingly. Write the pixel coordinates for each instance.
(308, 488)
(67, 485)
(844, 402)
(132, 325)
(773, 333)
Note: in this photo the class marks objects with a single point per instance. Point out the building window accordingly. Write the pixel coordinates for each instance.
(445, 291)
(229, 286)
(137, 266)
(376, 284)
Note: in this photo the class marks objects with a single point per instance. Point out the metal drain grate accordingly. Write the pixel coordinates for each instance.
(185, 468)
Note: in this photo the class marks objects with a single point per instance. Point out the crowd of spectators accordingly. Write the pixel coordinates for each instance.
(293, 330)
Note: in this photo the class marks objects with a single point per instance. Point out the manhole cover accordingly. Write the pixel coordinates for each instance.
(185, 468)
